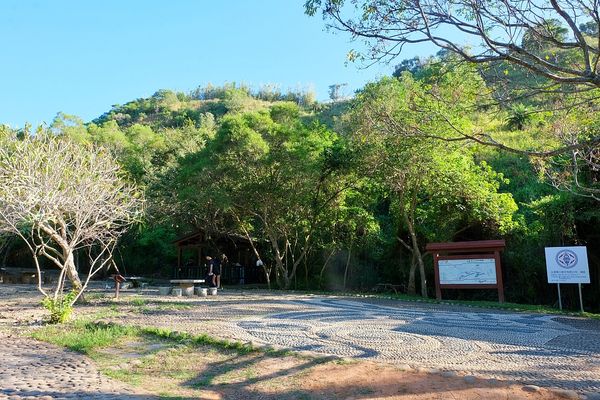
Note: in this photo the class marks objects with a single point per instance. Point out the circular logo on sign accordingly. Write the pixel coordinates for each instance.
(566, 259)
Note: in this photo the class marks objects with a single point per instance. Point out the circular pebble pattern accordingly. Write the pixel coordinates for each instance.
(529, 348)
(535, 349)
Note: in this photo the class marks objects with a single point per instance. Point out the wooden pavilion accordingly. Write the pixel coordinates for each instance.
(192, 250)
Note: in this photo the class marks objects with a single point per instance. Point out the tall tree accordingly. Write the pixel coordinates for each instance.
(61, 197)
(272, 180)
(549, 40)
(431, 183)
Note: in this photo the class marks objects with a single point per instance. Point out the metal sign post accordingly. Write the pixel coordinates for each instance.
(580, 298)
(559, 298)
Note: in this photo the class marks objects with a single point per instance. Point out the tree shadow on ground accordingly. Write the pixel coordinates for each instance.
(312, 379)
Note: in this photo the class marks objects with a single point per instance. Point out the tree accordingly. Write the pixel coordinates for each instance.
(437, 189)
(542, 38)
(497, 27)
(335, 91)
(272, 181)
(60, 198)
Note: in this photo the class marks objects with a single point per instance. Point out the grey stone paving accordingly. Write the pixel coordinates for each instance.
(34, 370)
(529, 348)
(535, 349)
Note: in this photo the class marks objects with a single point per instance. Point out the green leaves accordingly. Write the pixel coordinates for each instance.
(404, 128)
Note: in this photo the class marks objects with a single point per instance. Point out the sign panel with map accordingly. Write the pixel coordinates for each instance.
(467, 265)
(475, 271)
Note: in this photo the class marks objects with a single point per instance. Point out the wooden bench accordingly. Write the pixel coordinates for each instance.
(187, 285)
(388, 287)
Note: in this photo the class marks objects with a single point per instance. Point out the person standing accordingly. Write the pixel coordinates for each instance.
(210, 275)
(222, 266)
(214, 271)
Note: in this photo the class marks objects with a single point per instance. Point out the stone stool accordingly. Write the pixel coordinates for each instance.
(202, 292)
(177, 292)
(164, 290)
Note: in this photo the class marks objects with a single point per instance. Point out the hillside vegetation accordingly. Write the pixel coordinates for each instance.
(346, 194)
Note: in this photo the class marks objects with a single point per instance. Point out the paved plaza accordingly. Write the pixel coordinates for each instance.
(538, 349)
(545, 350)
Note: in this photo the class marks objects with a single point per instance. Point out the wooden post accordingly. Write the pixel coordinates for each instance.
(499, 281)
(436, 268)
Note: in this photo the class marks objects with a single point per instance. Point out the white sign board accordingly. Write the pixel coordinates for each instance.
(480, 271)
(567, 264)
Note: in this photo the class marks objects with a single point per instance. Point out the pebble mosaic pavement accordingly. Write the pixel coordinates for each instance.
(538, 349)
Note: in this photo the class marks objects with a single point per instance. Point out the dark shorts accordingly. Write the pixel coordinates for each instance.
(217, 271)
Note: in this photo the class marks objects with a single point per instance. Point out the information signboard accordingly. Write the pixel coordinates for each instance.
(567, 264)
(478, 271)
(467, 265)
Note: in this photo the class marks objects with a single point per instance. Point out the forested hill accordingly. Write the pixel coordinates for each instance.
(168, 109)
(348, 192)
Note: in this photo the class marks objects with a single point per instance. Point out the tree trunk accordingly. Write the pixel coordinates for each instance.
(287, 281)
(411, 276)
(305, 274)
(281, 275)
(266, 270)
(323, 269)
(267, 276)
(417, 253)
(421, 272)
(347, 264)
(71, 272)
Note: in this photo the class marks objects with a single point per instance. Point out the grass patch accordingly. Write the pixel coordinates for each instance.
(83, 336)
(177, 364)
(138, 301)
(142, 305)
(173, 306)
(532, 308)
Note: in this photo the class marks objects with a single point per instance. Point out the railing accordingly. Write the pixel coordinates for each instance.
(231, 274)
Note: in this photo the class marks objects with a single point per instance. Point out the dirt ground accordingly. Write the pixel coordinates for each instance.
(204, 372)
(371, 381)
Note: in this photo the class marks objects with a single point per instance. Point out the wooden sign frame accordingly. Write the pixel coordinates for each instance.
(481, 249)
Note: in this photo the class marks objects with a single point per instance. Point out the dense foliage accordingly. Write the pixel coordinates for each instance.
(346, 194)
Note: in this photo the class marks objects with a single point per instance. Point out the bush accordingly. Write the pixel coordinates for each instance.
(60, 308)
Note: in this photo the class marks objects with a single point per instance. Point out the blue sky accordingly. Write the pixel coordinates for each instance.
(80, 57)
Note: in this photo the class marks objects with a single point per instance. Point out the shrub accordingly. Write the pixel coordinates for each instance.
(60, 308)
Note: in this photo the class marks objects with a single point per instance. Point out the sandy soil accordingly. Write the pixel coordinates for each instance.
(371, 381)
(209, 373)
